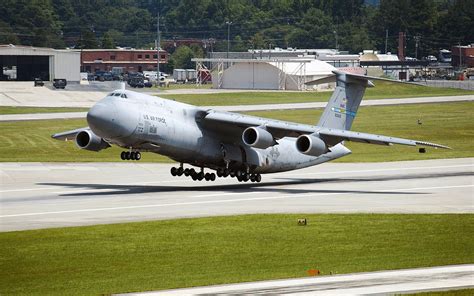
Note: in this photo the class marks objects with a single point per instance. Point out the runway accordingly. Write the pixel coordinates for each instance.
(44, 195)
(249, 108)
(381, 282)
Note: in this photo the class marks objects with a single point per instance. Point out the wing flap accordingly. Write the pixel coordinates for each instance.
(332, 136)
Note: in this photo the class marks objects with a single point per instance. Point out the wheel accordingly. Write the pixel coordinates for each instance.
(138, 155)
(207, 177)
(245, 177)
(132, 156)
(258, 178)
(232, 174)
(186, 172)
(200, 176)
(194, 177)
(226, 173)
(122, 155)
(173, 171)
(239, 178)
(180, 171)
(252, 177)
(192, 172)
(219, 173)
(238, 174)
(213, 177)
(127, 155)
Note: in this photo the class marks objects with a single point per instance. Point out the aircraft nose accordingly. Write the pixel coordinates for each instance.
(102, 120)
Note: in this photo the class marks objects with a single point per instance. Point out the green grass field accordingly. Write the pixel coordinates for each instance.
(448, 123)
(462, 292)
(28, 110)
(190, 252)
(383, 90)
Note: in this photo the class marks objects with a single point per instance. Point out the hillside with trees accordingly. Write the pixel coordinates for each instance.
(349, 25)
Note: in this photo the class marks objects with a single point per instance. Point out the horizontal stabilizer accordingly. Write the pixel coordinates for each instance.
(354, 78)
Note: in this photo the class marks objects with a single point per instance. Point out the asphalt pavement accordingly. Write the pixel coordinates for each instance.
(44, 195)
(451, 277)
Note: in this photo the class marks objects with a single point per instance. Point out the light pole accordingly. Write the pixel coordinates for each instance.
(337, 44)
(228, 37)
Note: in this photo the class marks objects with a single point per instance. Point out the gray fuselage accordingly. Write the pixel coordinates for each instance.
(147, 123)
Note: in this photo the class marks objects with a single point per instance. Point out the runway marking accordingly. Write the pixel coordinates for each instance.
(27, 189)
(220, 201)
(226, 194)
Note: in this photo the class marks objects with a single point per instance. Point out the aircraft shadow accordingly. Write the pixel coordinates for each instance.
(265, 187)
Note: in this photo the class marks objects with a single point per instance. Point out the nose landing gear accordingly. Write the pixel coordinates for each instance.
(130, 155)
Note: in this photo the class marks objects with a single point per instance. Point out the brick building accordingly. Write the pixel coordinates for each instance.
(130, 60)
(463, 54)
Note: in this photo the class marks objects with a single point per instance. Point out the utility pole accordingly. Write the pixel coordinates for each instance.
(386, 40)
(417, 41)
(228, 39)
(337, 44)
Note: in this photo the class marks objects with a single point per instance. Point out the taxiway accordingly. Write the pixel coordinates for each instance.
(44, 195)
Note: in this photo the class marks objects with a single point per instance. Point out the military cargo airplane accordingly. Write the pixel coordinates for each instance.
(230, 144)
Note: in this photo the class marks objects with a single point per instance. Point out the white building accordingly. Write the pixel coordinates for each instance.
(287, 74)
(35, 62)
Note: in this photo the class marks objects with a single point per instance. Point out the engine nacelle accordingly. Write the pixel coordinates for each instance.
(86, 139)
(311, 145)
(257, 137)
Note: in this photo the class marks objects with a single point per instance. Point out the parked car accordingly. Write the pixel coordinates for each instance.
(136, 82)
(60, 83)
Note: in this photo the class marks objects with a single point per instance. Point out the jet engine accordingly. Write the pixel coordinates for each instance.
(257, 137)
(86, 139)
(311, 145)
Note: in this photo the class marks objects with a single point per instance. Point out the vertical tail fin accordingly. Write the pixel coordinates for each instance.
(345, 101)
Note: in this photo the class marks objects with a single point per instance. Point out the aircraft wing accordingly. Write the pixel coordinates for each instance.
(233, 124)
(69, 135)
(336, 136)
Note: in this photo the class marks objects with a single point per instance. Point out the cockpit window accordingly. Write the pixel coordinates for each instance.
(124, 96)
(117, 94)
(110, 95)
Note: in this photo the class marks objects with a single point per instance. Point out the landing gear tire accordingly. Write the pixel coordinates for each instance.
(226, 173)
(127, 155)
(138, 155)
(132, 156)
(122, 155)
(245, 177)
(186, 172)
(258, 178)
(200, 176)
(180, 171)
(173, 171)
(213, 177)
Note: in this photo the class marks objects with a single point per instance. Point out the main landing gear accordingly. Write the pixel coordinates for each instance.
(221, 173)
(130, 155)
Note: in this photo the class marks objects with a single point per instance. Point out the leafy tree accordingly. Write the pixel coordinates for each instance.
(182, 57)
(88, 39)
(107, 41)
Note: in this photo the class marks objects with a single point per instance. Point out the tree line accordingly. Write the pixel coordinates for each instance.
(349, 25)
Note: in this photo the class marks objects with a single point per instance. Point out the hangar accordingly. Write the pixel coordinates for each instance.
(274, 73)
(25, 63)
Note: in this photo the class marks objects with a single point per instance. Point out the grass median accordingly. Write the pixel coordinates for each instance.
(383, 90)
(30, 110)
(446, 123)
(204, 251)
